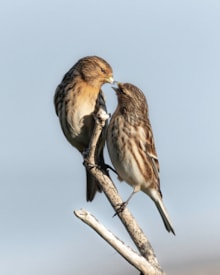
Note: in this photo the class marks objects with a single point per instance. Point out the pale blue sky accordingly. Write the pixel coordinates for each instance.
(169, 49)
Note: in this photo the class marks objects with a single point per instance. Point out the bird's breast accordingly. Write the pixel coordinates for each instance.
(77, 121)
(127, 153)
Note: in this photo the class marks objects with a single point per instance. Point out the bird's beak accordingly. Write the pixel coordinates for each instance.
(116, 84)
(115, 89)
(110, 79)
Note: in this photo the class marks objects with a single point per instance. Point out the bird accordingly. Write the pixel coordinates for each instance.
(76, 99)
(131, 147)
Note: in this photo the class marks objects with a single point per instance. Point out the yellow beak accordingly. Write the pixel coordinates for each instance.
(110, 80)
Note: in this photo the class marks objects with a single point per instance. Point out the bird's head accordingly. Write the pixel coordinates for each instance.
(130, 96)
(95, 71)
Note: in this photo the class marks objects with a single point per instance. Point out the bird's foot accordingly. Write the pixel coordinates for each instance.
(120, 208)
(89, 165)
(105, 167)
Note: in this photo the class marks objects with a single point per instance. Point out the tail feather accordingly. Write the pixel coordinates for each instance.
(163, 212)
(165, 217)
(92, 186)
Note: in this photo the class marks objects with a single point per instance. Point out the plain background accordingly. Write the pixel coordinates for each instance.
(169, 49)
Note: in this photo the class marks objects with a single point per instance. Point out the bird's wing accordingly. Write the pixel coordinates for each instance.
(63, 88)
(151, 150)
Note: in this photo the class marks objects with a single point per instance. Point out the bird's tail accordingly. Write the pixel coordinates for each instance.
(92, 186)
(163, 212)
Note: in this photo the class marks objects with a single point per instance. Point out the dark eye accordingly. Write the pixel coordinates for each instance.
(103, 70)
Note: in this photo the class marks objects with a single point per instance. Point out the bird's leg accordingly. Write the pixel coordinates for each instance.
(124, 204)
(105, 166)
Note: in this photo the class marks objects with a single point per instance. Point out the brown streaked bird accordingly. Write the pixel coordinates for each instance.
(131, 146)
(77, 97)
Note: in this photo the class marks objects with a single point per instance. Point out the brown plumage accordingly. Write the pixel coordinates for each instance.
(131, 146)
(77, 97)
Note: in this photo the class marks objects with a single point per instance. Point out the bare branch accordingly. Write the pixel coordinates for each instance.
(111, 193)
(100, 119)
(130, 255)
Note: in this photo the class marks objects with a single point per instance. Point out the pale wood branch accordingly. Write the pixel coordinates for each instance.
(111, 193)
(129, 254)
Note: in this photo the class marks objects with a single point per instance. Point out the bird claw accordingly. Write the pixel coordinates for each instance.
(120, 209)
(105, 167)
(89, 165)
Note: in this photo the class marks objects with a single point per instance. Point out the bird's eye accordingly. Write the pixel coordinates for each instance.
(103, 70)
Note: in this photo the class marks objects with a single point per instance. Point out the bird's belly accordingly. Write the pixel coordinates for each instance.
(80, 124)
(130, 172)
(126, 166)
(82, 121)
